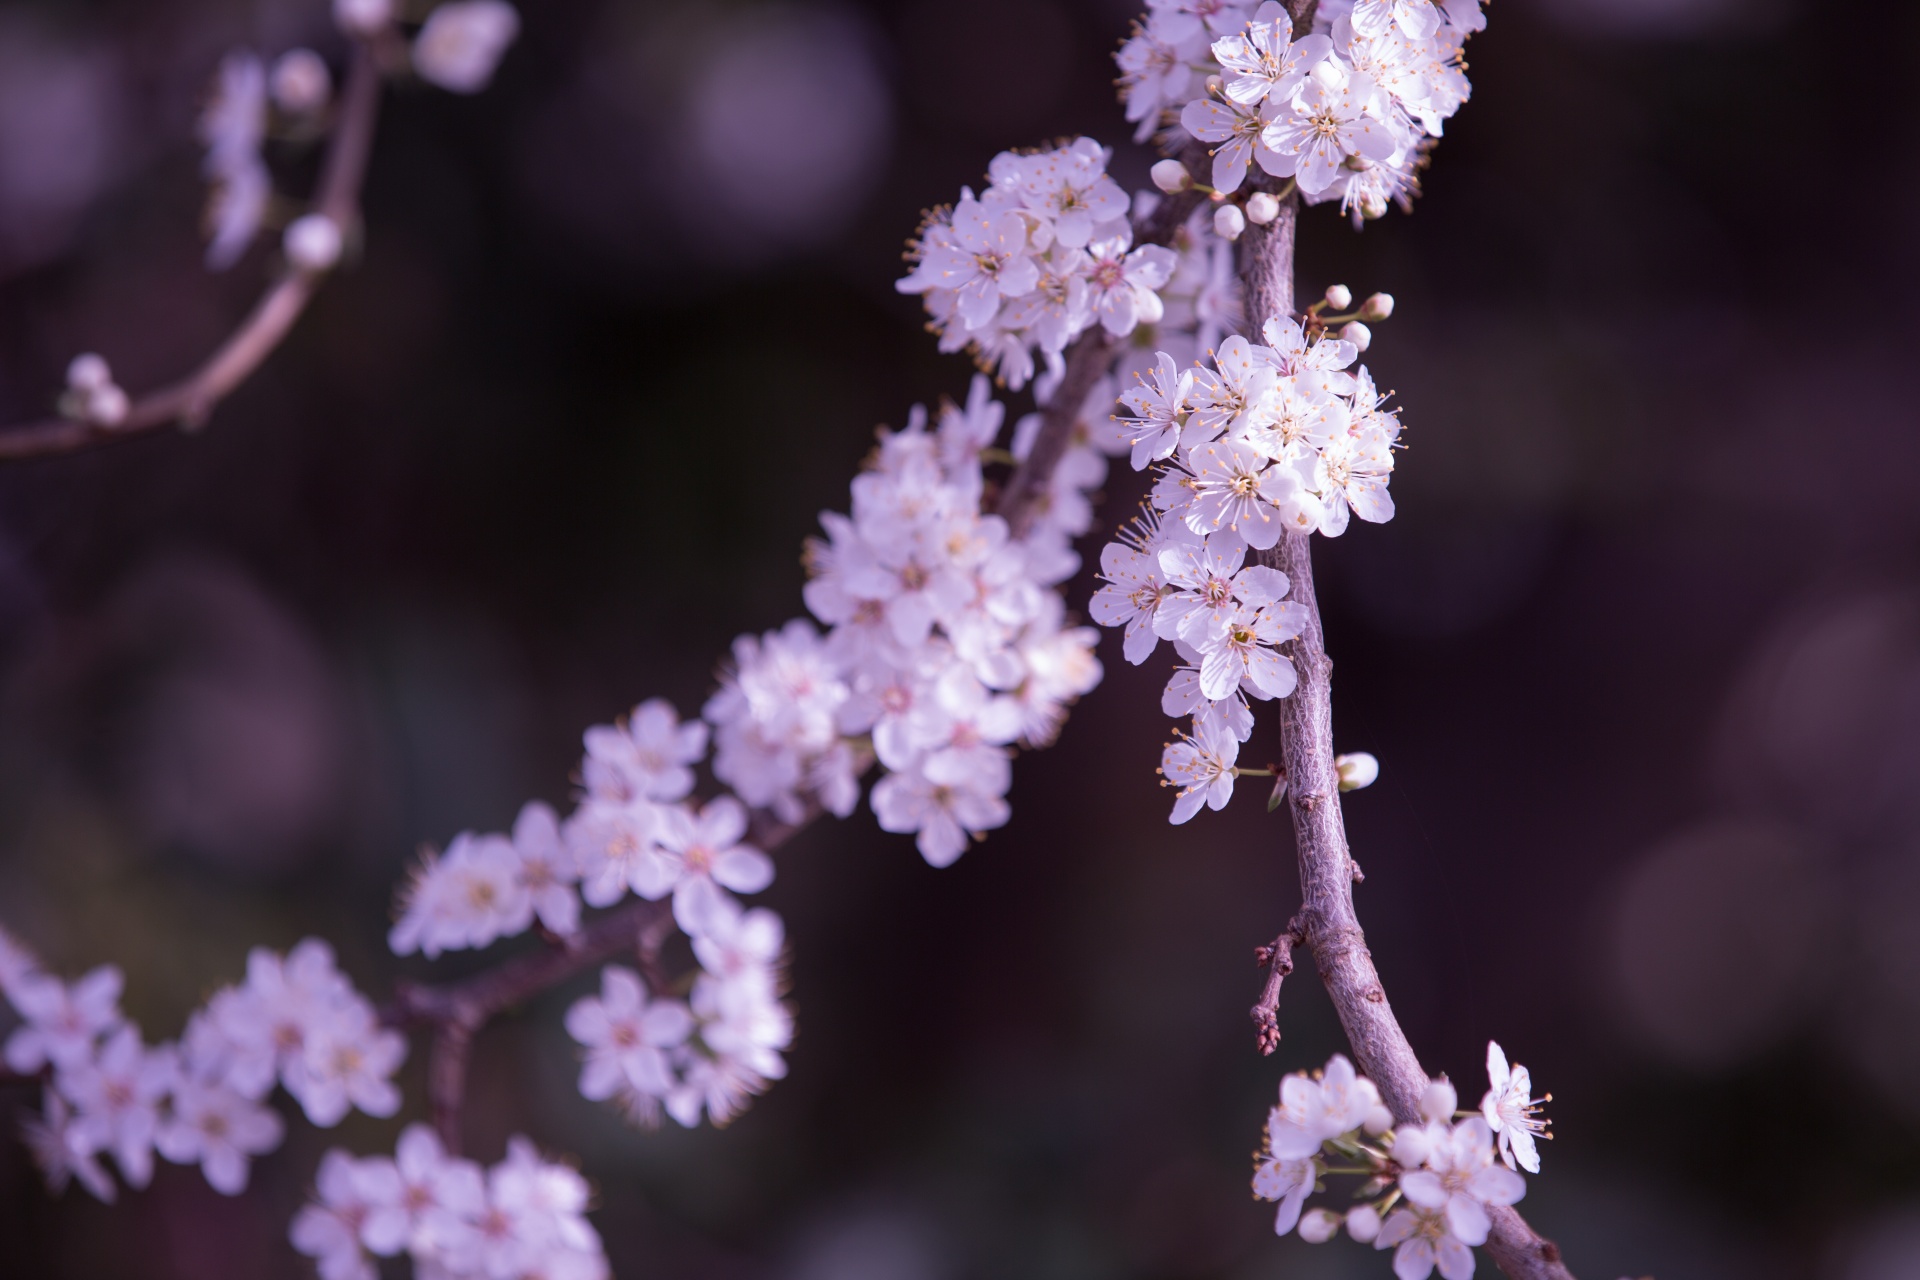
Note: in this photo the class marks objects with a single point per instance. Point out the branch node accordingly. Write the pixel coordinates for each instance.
(1277, 957)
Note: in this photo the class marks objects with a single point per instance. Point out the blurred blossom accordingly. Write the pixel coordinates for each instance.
(1719, 939)
(873, 1243)
(1887, 1248)
(788, 123)
(1671, 19)
(1878, 1015)
(694, 139)
(463, 41)
(60, 139)
(1824, 725)
(231, 744)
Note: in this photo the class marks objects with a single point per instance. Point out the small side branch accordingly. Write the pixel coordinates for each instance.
(190, 401)
(1277, 956)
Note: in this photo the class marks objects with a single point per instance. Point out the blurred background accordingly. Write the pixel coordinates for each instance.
(1640, 654)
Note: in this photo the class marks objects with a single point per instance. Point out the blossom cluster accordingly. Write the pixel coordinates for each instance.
(296, 1020)
(1041, 256)
(1258, 441)
(1428, 1186)
(947, 644)
(523, 1218)
(1347, 111)
(457, 48)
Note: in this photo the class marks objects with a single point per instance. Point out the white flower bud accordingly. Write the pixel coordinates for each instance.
(1440, 1100)
(313, 242)
(106, 405)
(1339, 297)
(89, 372)
(1171, 176)
(1361, 768)
(1411, 1147)
(1363, 1223)
(1262, 207)
(1378, 1121)
(1377, 307)
(362, 17)
(301, 82)
(1229, 222)
(1358, 334)
(1318, 1225)
(463, 42)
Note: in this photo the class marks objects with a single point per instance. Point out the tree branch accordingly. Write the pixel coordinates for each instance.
(1277, 956)
(190, 401)
(1331, 926)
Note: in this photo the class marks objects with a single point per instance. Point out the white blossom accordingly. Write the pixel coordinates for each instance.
(1288, 1181)
(218, 1128)
(1460, 1178)
(1511, 1112)
(463, 41)
(232, 127)
(117, 1096)
(1201, 765)
(1420, 1242)
(1313, 1110)
(62, 1022)
(627, 1037)
(62, 1152)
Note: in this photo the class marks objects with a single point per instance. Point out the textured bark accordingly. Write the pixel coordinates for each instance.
(1327, 918)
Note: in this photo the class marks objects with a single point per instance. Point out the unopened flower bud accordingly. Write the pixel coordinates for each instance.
(1339, 297)
(1229, 222)
(1171, 176)
(1378, 1121)
(1411, 1147)
(1377, 307)
(1363, 1223)
(1358, 334)
(1318, 1225)
(1440, 1100)
(89, 372)
(463, 41)
(362, 17)
(313, 242)
(1360, 769)
(301, 82)
(1262, 207)
(106, 405)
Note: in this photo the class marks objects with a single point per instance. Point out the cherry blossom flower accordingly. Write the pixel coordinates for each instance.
(1510, 1112)
(612, 845)
(1135, 587)
(419, 1197)
(948, 798)
(1460, 1178)
(1288, 1181)
(696, 856)
(117, 1097)
(1206, 586)
(62, 1152)
(232, 128)
(547, 873)
(348, 1061)
(1322, 125)
(1420, 1242)
(627, 1036)
(469, 896)
(1122, 282)
(330, 1228)
(218, 1128)
(1264, 60)
(1156, 70)
(1313, 1110)
(1417, 19)
(62, 1022)
(1067, 187)
(1236, 132)
(1202, 767)
(463, 41)
(649, 756)
(1234, 488)
(1160, 412)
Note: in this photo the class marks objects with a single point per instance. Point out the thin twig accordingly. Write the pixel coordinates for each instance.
(1332, 927)
(1277, 956)
(190, 401)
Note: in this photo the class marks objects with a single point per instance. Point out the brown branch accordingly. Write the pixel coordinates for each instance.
(1327, 874)
(190, 401)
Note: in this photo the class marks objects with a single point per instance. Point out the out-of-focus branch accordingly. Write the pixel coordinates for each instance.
(190, 401)
(1329, 923)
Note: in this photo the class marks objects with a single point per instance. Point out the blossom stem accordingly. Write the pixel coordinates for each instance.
(1328, 922)
(190, 401)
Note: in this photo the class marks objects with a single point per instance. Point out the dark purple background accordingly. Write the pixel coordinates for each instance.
(1640, 654)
